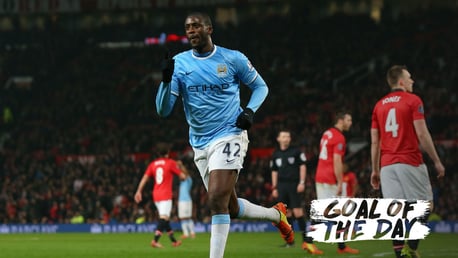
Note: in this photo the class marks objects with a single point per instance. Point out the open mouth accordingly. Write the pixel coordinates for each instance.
(193, 39)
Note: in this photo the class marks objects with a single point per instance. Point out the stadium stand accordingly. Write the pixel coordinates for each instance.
(78, 121)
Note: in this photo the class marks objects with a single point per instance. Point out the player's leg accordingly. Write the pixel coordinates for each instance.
(191, 228)
(184, 217)
(295, 204)
(417, 186)
(243, 209)
(392, 188)
(220, 187)
(330, 191)
(284, 196)
(165, 208)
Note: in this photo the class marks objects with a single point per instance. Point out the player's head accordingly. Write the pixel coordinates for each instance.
(198, 28)
(162, 149)
(398, 77)
(343, 120)
(284, 138)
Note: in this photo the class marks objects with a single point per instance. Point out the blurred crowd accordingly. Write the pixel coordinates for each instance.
(97, 102)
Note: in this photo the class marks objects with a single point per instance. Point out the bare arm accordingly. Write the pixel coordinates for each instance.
(302, 177)
(426, 142)
(184, 171)
(141, 185)
(338, 171)
(274, 183)
(375, 158)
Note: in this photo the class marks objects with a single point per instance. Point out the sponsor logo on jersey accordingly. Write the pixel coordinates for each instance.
(208, 88)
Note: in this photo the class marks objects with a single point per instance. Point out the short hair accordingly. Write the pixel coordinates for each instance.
(284, 130)
(206, 20)
(394, 73)
(162, 149)
(340, 115)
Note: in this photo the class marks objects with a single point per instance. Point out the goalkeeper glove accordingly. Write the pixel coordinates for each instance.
(245, 119)
(167, 66)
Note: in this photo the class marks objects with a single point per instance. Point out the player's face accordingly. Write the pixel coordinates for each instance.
(284, 139)
(347, 122)
(406, 81)
(197, 32)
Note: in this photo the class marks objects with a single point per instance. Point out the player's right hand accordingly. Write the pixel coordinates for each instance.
(138, 197)
(167, 67)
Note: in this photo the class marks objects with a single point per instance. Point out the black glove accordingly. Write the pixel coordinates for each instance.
(167, 66)
(245, 119)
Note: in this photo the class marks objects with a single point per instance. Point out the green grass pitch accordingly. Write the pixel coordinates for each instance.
(240, 245)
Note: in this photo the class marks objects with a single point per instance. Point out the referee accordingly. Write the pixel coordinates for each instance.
(288, 178)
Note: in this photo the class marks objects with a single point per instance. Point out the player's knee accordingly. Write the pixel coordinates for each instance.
(218, 202)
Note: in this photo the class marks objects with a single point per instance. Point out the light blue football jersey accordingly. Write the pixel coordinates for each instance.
(184, 193)
(209, 86)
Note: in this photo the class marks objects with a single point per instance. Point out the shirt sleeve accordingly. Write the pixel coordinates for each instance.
(250, 77)
(418, 112)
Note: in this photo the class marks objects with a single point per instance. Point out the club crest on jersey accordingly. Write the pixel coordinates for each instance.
(421, 110)
(221, 70)
(291, 160)
(340, 146)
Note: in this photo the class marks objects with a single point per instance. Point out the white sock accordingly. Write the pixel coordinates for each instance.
(191, 227)
(219, 231)
(184, 227)
(250, 210)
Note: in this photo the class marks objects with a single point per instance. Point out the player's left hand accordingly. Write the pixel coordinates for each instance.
(167, 67)
(440, 169)
(375, 180)
(245, 119)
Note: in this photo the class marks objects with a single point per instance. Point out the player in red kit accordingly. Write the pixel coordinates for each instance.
(329, 172)
(398, 128)
(162, 170)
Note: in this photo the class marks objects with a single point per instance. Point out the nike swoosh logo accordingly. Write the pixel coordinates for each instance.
(188, 73)
(230, 160)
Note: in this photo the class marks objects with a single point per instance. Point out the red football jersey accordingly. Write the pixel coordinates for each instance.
(332, 141)
(393, 116)
(162, 171)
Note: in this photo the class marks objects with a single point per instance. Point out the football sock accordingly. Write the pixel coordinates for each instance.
(301, 223)
(290, 220)
(184, 227)
(171, 236)
(307, 238)
(191, 227)
(397, 247)
(252, 211)
(219, 230)
(157, 235)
